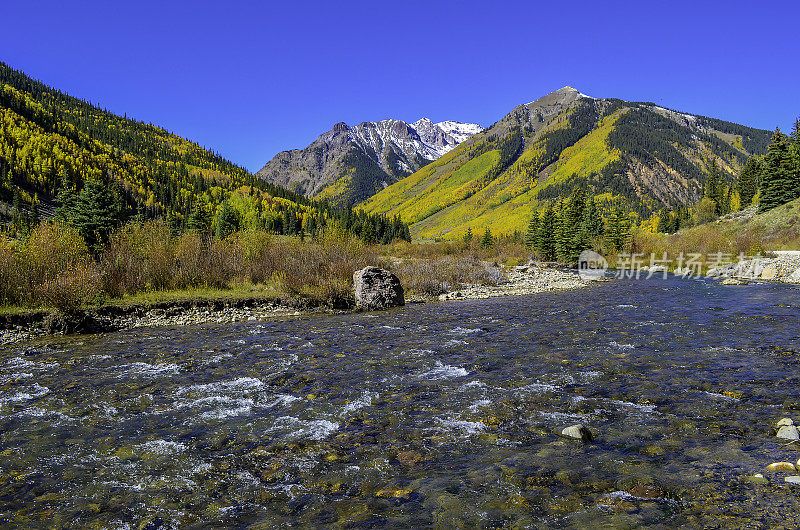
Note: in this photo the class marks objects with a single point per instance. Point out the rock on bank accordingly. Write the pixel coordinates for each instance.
(377, 289)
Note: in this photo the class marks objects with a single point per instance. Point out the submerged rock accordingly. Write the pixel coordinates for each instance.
(377, 289)
(578, 432)
(792, 479)
(758, 478)
(733, 281)
(782, 466)
(788, 432)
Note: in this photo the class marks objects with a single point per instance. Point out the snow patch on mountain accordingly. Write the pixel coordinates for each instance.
(460, 131)
(408, 141)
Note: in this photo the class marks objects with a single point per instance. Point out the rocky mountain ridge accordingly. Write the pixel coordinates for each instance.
(349, 164)
(639, 153)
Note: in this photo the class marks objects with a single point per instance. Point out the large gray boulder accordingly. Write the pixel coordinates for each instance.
(377, 289)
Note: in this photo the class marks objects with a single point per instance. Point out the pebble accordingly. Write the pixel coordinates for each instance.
(788, 432)
(578, 432)
(733, 281)
(782, 466)
(785, 422)
(174, 316)
(792, 479)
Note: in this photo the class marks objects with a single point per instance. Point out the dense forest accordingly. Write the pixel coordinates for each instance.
(562, 230)
(62, 156)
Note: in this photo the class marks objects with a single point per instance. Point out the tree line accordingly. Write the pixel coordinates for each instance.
(563, 230)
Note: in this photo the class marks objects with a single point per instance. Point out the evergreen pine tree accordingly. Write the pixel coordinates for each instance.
(747, 182)
(571, 240)
(713, 187)
(227, 221)
(200, 219)
(533, 227)
(778, 183)
(468, 236)
(794, 153)
(616, 229)
(312, 226)
(487, 240)
(406, 234)
(664, 221)
(368, 231)
(592, 222)
(66, 199)
(545, 235)
(96, 212)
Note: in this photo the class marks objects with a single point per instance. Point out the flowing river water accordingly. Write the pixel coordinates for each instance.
(436, 415)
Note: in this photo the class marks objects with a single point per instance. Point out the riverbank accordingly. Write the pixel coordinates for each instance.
(27, 325)
(782, 267)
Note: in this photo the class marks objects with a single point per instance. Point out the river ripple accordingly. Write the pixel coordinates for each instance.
(434, 415)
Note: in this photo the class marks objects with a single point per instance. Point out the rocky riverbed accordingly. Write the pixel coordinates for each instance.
(525, 279)
(781, 267)
(439, 415)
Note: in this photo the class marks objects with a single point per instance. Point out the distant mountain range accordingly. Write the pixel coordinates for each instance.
(442, 178)
(349, 164)
(641, 154)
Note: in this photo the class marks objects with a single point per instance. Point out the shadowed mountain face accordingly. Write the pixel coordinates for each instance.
(646, 156)
(350, 164)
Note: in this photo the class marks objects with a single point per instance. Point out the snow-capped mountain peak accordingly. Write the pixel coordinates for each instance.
(372, 155)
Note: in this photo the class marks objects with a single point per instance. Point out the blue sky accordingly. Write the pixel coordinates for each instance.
(249, 79)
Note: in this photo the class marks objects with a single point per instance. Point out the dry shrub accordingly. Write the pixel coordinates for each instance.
(68, 290)
(9, 273)
(138, 257)
(259, 257)
(190, 251)
(53, 253)
(324, 269)
(224, 262)
(749, 243)
(52, 267)
(435, 276)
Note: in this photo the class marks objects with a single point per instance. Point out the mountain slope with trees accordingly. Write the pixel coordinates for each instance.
(638, 156)
(62, 156)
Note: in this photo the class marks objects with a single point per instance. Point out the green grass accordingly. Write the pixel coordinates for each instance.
(151, 298)
(11, 310)
(236, 292)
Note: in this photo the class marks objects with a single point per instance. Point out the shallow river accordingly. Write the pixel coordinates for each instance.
(436, 415)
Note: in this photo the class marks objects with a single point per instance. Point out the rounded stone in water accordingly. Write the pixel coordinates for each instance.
(578, 432)
(782, 466)
(788, 432)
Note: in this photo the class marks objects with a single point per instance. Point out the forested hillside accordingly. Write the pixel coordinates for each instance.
(638, 156)
(63, 156)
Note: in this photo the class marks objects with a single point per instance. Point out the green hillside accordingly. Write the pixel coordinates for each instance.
(52, 143)
(639, 154)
